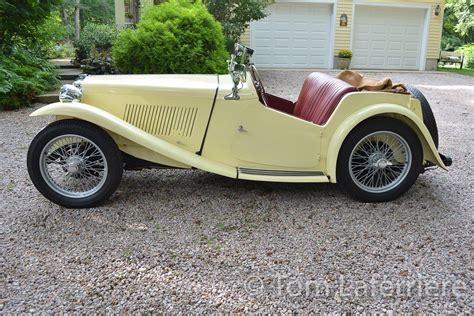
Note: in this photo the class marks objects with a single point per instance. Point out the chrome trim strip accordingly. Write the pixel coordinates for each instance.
(280, 173)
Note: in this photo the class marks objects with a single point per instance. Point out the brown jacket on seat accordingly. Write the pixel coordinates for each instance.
(363, 83)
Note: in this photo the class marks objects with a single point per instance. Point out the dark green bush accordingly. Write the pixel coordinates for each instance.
(23, 76)
(51, 32)
(20, 21)
(62, 50)
(450, 42)
(94, 37)
(468, 51)
(175, 37)
(98, 64)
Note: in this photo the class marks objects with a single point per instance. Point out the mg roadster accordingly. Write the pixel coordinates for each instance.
(373, 144)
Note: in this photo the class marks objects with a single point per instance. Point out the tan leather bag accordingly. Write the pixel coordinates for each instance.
(363, 83)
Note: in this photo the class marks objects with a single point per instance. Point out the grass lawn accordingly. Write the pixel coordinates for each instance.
(466, 72)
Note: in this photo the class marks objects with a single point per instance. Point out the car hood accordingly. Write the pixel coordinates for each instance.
(199, 85)
(105, 89)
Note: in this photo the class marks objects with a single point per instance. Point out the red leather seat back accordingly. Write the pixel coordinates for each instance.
(319, 97)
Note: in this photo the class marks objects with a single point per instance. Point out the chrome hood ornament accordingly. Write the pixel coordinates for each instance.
(238, 69)
(72, 92)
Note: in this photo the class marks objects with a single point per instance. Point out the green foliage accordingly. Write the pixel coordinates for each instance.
(22, 76)
(177, 36)
(98, 63)
(94, 37)
(49, 34)
(97, 11)
(468, 51)
(236, 15)
(458, 24)
(450, 42)
(464, 12)
(62, 50)
(345, 53)
(91, 11)
(20, 20)
(464, 71)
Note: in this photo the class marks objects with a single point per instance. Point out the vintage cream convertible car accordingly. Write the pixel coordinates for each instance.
(373, 144)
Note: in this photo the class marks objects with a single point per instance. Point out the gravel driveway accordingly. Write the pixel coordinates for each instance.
(177, 241)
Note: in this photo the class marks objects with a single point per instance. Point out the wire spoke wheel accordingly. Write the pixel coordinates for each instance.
(73, 166)
(380, 161)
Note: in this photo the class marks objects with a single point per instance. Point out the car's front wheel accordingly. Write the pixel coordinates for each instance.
(74, 164)
(379, 160)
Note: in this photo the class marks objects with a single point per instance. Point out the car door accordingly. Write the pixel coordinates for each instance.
(271, 139)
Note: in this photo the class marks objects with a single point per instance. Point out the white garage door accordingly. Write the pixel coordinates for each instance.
(387, 38)
(294, 35)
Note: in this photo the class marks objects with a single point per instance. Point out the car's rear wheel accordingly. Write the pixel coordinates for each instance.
(74, 164)
(379, 160)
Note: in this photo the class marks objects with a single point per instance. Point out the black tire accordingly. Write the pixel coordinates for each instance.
(428, 116)
(379, 124)
(95, 134)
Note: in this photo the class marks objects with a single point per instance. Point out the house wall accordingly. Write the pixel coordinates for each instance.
(343, 34)
(120, 11)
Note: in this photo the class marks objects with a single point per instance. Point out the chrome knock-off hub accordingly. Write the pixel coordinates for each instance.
(74, 165)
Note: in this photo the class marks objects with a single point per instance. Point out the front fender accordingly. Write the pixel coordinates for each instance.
(406, 115)
(113, 124)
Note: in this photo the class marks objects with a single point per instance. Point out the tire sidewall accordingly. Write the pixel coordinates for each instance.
(91, 132)
(343, 175)
(428, 115)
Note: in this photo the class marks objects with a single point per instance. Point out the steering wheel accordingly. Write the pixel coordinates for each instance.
(257, 80)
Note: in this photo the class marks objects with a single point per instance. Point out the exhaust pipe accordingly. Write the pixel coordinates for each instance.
(448, 161)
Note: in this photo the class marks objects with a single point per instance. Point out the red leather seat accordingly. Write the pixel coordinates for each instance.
(319, 97)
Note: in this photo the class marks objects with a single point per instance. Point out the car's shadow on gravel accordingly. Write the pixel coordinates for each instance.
(168, 186)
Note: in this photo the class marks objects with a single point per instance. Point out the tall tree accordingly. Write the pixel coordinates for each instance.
(77, 20)
(458, 24)
(464, 12)
(90, 11)
(236, 15)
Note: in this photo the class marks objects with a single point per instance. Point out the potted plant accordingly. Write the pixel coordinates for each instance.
(343, 60)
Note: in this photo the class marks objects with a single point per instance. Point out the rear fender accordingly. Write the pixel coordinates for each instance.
(392, 110)
(115, 125)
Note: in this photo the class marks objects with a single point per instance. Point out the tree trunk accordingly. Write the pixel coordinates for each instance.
(77, 19)
(63, 13)
(136, 11)
(64, 18)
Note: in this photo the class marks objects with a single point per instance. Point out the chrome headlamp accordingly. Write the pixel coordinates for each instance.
(72, 92)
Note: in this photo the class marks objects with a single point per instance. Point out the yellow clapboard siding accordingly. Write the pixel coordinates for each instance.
(434, 36)
(343, 34)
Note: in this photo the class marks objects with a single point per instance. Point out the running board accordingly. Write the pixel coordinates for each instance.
(281, 175)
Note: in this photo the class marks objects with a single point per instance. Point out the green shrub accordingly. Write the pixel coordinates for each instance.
(175, 37)
(345, 53)
(450, 42)
(48, 34)
(94, 36)
(23, 76)
(468, 51)
(20, 21)
(62, 50)
(98, 64)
